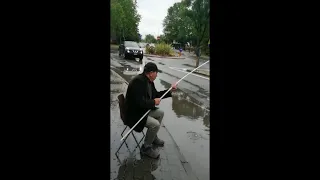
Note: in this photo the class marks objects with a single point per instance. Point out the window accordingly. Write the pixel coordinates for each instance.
(131, 44)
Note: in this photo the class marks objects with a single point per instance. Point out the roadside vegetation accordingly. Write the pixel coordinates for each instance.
(186, 24)
(161, 49)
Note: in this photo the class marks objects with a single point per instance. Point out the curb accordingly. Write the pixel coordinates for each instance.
(202, 58)
(119, 76)
(185, 164)
(167, 57)
(195, 72)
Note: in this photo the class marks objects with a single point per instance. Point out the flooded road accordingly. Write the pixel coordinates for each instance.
(186, 113)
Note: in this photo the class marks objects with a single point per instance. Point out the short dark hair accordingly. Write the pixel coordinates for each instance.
(150, 67)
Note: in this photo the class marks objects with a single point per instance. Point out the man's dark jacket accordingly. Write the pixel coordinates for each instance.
(138, 101)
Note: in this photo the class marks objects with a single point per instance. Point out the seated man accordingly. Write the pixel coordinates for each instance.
(142, 96)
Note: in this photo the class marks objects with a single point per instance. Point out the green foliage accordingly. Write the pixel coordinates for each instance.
(150, 39)
(188, 21)
(124, 20)
(191, 49)
(163, 49)
(164, 39)
(178, 26)
(150, 50)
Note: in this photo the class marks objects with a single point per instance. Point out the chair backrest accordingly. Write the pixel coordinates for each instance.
(121, 106)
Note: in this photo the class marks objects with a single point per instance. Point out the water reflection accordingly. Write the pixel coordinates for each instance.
(132, 168)
(184, 105)
(131, 70)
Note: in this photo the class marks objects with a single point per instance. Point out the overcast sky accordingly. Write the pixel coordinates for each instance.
(152, 14)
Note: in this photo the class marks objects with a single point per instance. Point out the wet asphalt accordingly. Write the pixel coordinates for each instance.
(186, 113)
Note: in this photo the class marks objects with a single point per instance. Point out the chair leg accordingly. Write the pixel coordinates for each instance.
(118, 158)
(124, 141)
(143, 135)
(121, 145)
(123, 131)
(138, 143)
(128, 147)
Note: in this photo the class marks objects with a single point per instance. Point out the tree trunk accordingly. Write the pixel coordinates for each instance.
(197, 62)
(197, 53)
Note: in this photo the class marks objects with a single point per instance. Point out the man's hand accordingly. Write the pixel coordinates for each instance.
(157, 101)
(174, 86)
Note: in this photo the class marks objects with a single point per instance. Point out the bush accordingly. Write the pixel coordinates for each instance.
(190, 48)
(163, 49)
(205, 50)
(172, 53)
(150, 49)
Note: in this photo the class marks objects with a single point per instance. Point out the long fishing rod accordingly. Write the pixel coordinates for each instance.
(160, 99)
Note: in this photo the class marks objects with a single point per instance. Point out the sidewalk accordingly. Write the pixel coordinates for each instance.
(170, 165)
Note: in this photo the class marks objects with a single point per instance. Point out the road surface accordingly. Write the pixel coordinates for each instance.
(186, 113)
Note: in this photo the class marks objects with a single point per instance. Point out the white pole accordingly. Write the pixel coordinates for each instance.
(160, 99)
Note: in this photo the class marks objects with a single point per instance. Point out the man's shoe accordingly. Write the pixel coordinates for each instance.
(148, 151)
(158, 141)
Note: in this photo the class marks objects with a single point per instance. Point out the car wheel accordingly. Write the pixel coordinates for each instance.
(140, 59)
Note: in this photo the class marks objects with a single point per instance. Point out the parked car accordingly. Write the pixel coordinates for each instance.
(131, 49)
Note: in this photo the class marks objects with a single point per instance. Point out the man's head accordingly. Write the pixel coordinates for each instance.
(151, 71)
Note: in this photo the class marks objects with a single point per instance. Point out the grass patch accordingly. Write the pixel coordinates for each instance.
(114, 46)
(161, 49)
(150, 50)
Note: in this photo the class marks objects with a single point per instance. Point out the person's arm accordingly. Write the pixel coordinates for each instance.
(160, 93)
(139, 95)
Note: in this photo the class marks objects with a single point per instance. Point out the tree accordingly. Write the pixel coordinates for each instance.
(163, 39)
(188, 21)
(124, 20)
(150, 39)
(178, 26)
(117, 15)
(199, 12)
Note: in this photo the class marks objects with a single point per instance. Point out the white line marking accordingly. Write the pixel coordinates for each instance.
(188, 72)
